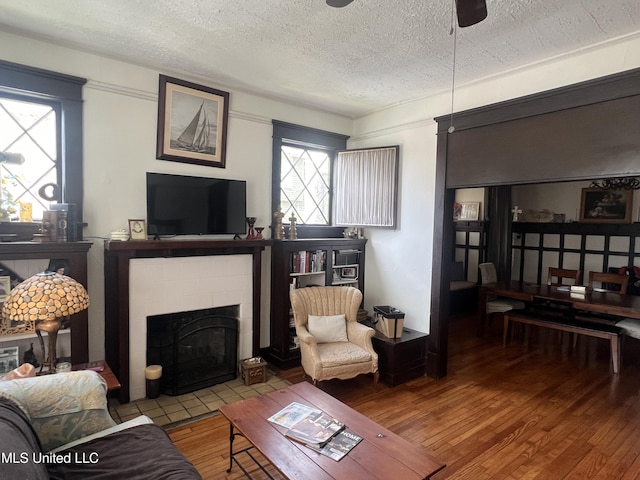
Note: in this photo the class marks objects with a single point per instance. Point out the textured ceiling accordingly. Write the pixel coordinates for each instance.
(353, 60)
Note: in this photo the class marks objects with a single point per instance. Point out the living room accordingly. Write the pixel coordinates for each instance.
(120, 107)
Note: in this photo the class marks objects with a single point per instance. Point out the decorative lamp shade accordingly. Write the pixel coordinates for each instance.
(45, 296)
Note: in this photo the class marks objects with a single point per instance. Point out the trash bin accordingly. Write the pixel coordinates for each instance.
(152, 375)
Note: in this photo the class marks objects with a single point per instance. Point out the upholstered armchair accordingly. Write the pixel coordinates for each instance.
(332, 346)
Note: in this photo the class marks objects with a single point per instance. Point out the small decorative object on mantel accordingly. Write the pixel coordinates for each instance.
(541, 216)
(293, 231)
(251, 221)
(278, 232)
(466, 211)
(48, 227)
(516, 212)
(259, 233)
(137, 229)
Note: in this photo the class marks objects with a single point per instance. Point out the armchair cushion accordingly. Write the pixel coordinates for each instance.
(328, 328)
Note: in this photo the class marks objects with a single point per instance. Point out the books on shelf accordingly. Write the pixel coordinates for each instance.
(306, 261)
(316, 429)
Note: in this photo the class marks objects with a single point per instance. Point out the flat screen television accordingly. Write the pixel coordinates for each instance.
(184, 205)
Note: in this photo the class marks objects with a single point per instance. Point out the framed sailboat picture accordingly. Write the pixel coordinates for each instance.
(192, 123)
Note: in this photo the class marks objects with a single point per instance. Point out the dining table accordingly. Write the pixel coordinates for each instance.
(592, 300)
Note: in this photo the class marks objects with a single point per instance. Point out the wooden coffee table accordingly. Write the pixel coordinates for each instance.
(380, 455)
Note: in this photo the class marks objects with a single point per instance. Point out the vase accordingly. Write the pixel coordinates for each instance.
(252, 234)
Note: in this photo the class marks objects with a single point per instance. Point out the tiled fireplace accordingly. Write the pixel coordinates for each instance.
(168, 285)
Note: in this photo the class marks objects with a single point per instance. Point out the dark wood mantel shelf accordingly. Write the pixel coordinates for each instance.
(117, 255)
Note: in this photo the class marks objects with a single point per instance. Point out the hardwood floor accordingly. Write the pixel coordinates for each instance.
(533, 410)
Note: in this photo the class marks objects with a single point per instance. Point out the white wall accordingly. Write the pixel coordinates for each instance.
(120, 118)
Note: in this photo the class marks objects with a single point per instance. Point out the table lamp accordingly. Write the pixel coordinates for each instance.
(47, 299)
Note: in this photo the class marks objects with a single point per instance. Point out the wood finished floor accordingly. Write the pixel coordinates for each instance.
(534, 410)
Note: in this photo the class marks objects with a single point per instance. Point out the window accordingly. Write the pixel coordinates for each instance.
(29, 142)
(302, 166)
(40, 119)
(305, 176)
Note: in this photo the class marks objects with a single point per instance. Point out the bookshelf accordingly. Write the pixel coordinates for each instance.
(303, 263)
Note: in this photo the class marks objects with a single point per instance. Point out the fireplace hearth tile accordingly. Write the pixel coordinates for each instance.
(170, 411)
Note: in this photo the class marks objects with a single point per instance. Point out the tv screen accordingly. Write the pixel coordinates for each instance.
(183, 205)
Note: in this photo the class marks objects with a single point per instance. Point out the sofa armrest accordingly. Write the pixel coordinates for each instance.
(62, 407)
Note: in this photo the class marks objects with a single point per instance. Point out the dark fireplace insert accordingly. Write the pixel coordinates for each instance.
(196, 349)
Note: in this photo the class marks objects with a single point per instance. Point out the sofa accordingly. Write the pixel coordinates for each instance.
(58, 426)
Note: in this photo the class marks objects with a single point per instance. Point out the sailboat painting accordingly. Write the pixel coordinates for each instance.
(192, 123)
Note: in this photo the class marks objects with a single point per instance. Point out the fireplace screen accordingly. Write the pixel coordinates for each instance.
(196, 349)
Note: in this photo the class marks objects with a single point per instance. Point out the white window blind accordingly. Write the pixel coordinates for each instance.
(365, 187)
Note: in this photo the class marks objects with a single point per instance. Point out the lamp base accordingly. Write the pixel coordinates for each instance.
(51, 327)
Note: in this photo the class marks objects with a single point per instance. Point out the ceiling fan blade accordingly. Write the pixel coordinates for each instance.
(338, 3)
(470, 12)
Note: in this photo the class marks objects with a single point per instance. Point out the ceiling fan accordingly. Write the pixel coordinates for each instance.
(469, 12)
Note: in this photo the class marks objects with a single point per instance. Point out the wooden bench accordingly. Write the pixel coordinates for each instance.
(598, 330)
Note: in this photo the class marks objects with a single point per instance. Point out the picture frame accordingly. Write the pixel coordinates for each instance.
(9, 359)
(5, 287)
(192, 123)
(137, 229)
(466, 211)
(349, 273)
(606, 206)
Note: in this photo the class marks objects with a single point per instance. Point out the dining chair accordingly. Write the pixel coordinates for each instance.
(559, 274)
(488, 274)
(606, 280)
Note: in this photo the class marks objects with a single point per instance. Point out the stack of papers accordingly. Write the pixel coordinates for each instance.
(316, 429)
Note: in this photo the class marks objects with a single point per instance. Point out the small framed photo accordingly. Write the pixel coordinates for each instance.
(5, 287)
(137, 229)
(606, 206)
(349, 273)
(466, 211)
(9, 359)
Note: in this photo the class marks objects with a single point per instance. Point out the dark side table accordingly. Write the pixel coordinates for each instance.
(104, 370)
(401, 359)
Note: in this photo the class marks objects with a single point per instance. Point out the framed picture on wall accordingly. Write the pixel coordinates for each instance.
(606, 206)
(192, 123)
(466, 211)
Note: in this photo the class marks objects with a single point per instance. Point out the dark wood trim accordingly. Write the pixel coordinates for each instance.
(66, 91)
(307, 137)
(75, 253)
(117, 256)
